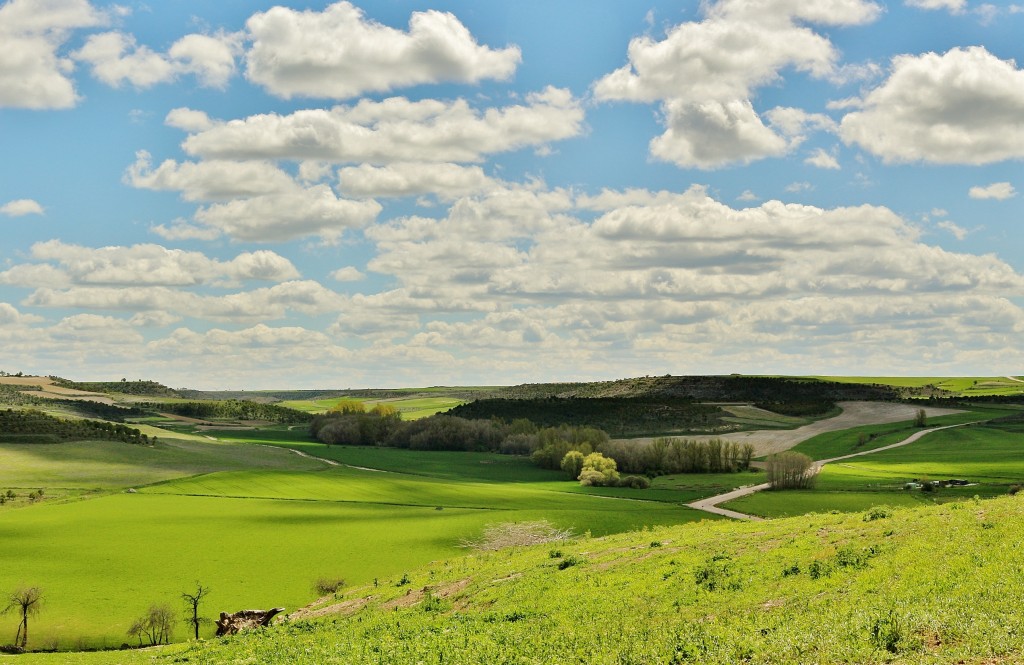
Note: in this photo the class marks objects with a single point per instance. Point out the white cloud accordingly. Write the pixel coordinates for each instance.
(311, 211)
(141, 265)
(704, 74)
(958, 232)
(20, 207)
(802, 186)
(33, 73)
(962, 107)
(116, 58)
(952, 6)
(338, 53)
(213, 180)
(348, 274)
(394, 130)
(999, 191)
(447, 181)
(188, 120)
(10, 316)
(712, 134)
(180, 229)
(823, 160)
(748, 195)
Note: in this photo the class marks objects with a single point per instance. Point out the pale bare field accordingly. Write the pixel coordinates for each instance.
(854, 414)
(51, 391)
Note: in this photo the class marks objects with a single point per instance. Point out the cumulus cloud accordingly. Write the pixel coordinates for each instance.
(704, 74)
(712, 134)
(999, 191)
(339, 53)
(394, 130)
(21, 207)
(140, 265)
(116, 58)
(33, 72)
(823, 160)
(961, 107)
(310, 211)
(348, 274)
(209, 180)
(189, 120)
(448, 181)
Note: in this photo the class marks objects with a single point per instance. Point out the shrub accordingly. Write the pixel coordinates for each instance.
(877, 513)
(569, 562)
(326, 586)
(572, 464)
(636, 482)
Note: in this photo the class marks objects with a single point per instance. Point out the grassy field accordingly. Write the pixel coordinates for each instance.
(258, 523)
(990, 457)
(966, 386)
(410, 408)
(898, 586)
(870, 437)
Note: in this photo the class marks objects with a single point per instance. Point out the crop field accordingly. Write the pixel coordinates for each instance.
(989, 457)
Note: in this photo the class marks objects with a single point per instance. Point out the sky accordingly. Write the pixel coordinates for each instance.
(252, 195)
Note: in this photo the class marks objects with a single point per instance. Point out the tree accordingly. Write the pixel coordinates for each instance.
(27, 601)
(155, 625)
(599, 470)
(192, 601)
(921, 418)
(790, 470)
(572, 464)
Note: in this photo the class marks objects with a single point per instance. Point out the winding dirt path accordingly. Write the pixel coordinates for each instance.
(711, 504)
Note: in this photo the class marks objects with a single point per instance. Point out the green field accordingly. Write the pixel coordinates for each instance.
(989, 456)
(258, 523)
(410, 408)
(966, 386)
(934, 585)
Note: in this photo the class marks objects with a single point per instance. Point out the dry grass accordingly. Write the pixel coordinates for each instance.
(518, 534)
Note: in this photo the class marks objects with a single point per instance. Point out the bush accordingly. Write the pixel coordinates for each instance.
(635, 482)
(877, 513)
(326, 586)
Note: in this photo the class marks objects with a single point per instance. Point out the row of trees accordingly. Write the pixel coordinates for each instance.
(674, 455)
(156, 626)
(30, 425)
(236, 409)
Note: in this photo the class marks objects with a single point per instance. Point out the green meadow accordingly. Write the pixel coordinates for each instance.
(990, 456)
(965, 386)
(932, 585)
(410, 408)
(257, 522)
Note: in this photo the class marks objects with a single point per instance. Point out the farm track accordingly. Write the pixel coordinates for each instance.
(712, 504)
(855, 414)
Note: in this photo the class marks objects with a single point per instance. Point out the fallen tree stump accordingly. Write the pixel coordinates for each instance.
(229, 624)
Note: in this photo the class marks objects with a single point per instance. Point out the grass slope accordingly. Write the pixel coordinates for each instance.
(990, 456)
(933, 585)
(261, 532)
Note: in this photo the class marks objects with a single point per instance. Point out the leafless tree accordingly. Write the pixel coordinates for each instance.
(192, 601)
(156, 625)
(27, 601)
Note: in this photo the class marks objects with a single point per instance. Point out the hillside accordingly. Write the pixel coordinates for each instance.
(935, 585)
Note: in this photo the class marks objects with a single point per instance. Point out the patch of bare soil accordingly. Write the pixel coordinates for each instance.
(344, 608)
(855, 414)
(414, 596)
(51, 391)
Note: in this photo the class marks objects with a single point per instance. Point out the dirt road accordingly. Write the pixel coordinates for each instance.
(711, 504)
(855, 414)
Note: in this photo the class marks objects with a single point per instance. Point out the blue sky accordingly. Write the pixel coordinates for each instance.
(257, 195)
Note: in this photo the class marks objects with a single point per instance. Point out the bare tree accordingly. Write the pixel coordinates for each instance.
(192, 601)
(27, 601)
(155, 625)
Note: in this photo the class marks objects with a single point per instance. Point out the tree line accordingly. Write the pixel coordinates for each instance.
(235, 409)
(32, 426)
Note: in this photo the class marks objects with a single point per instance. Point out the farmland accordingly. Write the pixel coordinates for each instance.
(258, 510)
